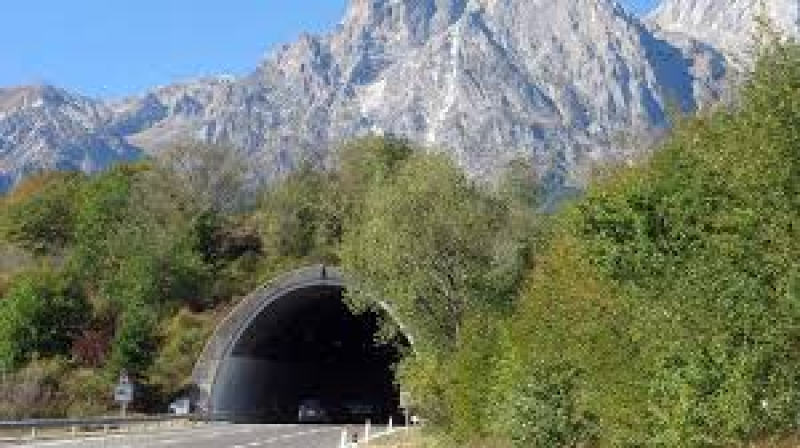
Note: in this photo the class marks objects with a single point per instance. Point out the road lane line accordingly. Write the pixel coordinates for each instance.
(186, 436)
(296, 435)
(194, 433)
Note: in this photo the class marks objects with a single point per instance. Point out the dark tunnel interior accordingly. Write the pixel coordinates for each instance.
(308, 349)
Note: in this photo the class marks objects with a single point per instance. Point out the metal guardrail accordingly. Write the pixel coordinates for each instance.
(32, 428)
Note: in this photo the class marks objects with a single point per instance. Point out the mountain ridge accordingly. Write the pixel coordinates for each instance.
(732, 29)
(486, 81)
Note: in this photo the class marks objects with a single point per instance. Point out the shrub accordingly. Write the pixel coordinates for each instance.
(33, 392)
(544, 410)
(184, 337)
(42, 219)
(135, 342)
(40, 316)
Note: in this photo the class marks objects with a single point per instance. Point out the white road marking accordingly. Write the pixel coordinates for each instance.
(184, 436)
(191, 433)
(294, 436)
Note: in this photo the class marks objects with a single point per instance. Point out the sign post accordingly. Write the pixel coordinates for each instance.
(405, 404)
(123, 393)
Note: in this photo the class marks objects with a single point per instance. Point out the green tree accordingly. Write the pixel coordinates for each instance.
(103, 207)
(362, 165)
(135, 342)
(39, 316)
(298, 217)
(184, 335)
(304, 216)
(426, 246)
(41, 218)
(136, 244)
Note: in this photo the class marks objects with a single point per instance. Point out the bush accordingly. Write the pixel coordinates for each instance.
(33, 392)
(423, 377)
(544, 410)
(40, 316)
(135, 342)
(42, 219)
(103, 207)
(299, 217)
(184, 337)
(720, 394)
(86, 393)
(469, 369)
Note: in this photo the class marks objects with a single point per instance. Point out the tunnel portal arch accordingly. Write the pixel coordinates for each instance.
(291, 341)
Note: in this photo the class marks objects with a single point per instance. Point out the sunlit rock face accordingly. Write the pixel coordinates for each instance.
(44, 128)
(732, 26)
(564, 83)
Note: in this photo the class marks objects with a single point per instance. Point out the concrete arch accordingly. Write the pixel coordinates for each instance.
(243, 361)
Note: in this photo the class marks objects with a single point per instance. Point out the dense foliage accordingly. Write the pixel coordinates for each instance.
(113, 258)
(39, 316)
(661, 309)
(671, 287)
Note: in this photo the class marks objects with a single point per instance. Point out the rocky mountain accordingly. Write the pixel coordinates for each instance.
(43, 128)
(732, 28)
(563, 83)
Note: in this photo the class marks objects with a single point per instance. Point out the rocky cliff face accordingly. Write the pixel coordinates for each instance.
(731, 26)
(44, 128)
(558, 82)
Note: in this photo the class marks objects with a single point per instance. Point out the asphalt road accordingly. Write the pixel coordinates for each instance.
(210, 436)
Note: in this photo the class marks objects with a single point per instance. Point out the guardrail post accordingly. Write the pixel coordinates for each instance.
(33, 433)
(74, 431)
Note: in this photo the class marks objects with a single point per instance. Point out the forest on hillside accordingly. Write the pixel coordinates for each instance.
(661, 308)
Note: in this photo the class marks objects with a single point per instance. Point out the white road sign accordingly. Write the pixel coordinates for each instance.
(123, 393)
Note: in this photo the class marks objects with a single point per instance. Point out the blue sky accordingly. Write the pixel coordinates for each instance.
(114, 48)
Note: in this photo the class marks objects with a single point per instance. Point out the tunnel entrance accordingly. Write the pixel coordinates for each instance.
(308, 350)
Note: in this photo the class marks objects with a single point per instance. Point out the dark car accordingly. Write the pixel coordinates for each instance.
(359, 409)
(311, 411)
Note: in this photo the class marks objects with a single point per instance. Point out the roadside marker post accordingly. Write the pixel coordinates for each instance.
(405, 404)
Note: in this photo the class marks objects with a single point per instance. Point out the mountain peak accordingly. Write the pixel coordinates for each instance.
(729, 25)
(409, 21)
(35, 96)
